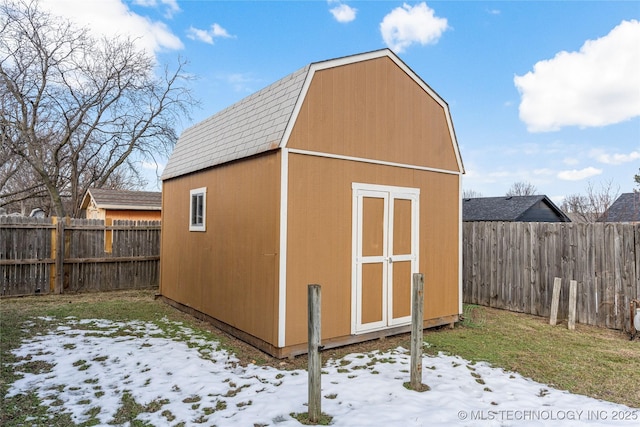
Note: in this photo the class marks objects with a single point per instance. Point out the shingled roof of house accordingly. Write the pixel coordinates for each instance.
(507, 208)
(626, 208)
(121, 199)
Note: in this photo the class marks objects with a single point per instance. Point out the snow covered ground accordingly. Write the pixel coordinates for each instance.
(180, 375)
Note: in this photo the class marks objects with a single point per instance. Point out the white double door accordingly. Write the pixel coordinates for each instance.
(385, 255)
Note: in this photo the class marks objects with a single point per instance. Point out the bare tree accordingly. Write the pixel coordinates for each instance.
(75, 110)
(470, 194)
(522, 188)
(637, 178)
(592, 206)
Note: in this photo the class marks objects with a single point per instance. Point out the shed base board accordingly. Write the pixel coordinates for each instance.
(225, 327)
(296, 350)
(299, 349)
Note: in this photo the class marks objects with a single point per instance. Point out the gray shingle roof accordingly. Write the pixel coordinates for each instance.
(253, 125)
(505, 208)
(119, 199)
(626, 208)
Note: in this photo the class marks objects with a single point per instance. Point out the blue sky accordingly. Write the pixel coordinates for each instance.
(540, 91)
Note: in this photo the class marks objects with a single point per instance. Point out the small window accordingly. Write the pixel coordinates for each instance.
(198, 210)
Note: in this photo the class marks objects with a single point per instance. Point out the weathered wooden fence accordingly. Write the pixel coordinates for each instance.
(51, 255)
(512, 266)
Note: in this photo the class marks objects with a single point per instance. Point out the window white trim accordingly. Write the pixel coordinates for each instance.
(198, 218)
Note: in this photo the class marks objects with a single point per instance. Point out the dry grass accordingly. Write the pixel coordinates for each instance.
(596, 362)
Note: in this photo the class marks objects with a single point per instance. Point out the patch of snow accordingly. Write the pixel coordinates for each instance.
(96, 362)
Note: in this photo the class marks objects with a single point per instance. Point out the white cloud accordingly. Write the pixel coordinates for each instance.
(171, 5)
(208, 36)
(218, 31)
(543, 172)
(579, 174)
(152, 165)
(614, 159)
(596, 86)
(100, 16)
(570, 161)
(202, 35)
(342, 12)
(406, 25)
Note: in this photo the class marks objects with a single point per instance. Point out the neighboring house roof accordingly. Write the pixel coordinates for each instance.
(626, 208)
(512, 208)
(263, 121)
(123, 200)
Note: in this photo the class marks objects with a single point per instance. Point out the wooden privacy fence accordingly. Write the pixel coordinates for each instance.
(51, 255)
(512, 266)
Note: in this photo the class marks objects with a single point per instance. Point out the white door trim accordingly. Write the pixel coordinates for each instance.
(388, 194)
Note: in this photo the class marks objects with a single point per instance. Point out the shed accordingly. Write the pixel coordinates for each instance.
(103, 203)
(513, 208)
(626, 208)
(345, 173)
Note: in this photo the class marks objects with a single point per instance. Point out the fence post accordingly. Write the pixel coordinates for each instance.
(54, 255)
(314, 303)
(417, 310)
(573, 291)
(108, 235)
(60, 253)
(555, 301)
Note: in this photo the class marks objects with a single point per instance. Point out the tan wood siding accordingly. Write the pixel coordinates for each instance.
(372, 293)
(402, 278)
(401, 227)
(440, 243)
(374, 110)
(372, 226)
(319, 238)
(133, 215)
(230, 271)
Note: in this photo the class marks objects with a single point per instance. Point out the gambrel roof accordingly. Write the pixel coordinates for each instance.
(263, 121)
(512, 208)
(123, 200)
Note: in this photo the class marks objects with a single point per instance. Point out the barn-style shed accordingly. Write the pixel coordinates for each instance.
(345, 173)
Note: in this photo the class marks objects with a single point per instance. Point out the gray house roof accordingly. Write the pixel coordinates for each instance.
(261, 122)
(626, 208)
(120, 199)
(512, 208)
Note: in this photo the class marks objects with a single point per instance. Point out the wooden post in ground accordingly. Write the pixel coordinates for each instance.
(573, 293)
(417, 310)
(53, 272)
(60, 254)
(314, 302)
(555, 301)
